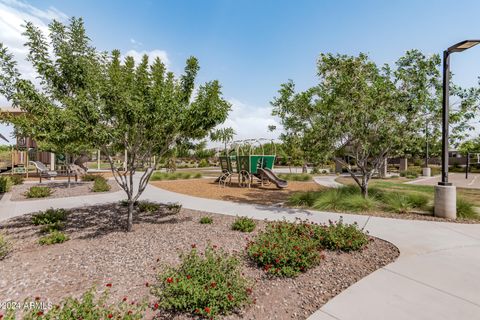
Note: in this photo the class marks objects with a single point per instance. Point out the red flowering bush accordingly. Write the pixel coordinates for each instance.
(205, 286)
(341, 236)
(286, 249)
(89, 306)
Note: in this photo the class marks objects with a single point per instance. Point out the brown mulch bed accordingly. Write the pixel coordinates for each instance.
(207, 188)
(60, 189)
(100, 252)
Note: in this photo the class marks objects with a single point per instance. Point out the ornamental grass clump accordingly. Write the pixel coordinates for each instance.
(38, 192)
(341, 236)
(5, 184)
(206, 220)
(286, 249)
(244, 224)
(91, 305)
(204, 285)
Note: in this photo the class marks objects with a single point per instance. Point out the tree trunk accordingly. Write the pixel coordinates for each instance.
(130, 215)
(364, 188)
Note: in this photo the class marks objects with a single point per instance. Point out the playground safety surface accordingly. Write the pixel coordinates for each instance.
(207, 188)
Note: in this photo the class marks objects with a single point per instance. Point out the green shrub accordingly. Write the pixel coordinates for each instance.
(204, 285)
(53, 238)
(286, 249)
(100, 184)
(244, 224)
(303, 199)
(409, 174)
(466, 210)
(203, 163)
(148, 206)
(38, 192)
(341, 236)
(57, 226)
(50, 216)
(159, 176)
(89, 307)
(404, 202)
(206, 220)
(5, 184)
(174, 208)
(16, 179)
(330, 199)
(4, 247)
(295, 176)
(91, 177)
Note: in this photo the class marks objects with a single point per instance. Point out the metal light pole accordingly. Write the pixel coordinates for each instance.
(445, 193)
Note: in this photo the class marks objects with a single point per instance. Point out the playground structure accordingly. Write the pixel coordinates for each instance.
(240, 159)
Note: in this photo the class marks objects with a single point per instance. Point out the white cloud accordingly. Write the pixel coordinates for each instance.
(250, 122)
(14, 14)
(137, 55)
(136, 44)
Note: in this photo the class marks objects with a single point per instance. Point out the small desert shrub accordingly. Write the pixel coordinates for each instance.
(466, 210)
(174, 208)
(53, 238)
(124, 203)
(295, 176)
(206, 220)
(4, 247)
(100, 184)
(56, 226)
(404, 202)
(90, 177)
(341, 236)
(38, 192)
(50, 216)
(331, 199)
(303, 199)
(159, 176)
(286, 249)
(244, 224)
(89, 307)
(205, 285)
(5, 184)
(16, 179)
(148, 206)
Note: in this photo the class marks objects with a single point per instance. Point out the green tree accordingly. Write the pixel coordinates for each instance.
(109, 103)
(419, 82)
(472, 145)
(224, 135)
(355, 110)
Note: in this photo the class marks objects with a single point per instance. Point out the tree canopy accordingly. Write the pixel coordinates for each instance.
(105, 101)
(361, 110)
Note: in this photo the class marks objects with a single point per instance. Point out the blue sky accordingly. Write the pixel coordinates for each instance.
(254, 46)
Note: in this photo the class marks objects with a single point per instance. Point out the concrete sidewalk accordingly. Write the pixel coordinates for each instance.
(437, 275)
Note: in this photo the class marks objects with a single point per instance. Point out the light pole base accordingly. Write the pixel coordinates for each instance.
(445, 203)
(426, 172)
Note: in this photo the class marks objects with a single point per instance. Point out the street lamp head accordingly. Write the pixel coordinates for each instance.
(464, 45)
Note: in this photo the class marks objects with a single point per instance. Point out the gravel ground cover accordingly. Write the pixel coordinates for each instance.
(207, 188)
(100, 252)
(60, 189)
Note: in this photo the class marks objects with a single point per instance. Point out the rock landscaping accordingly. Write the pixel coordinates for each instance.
(60, 189)
(139, 266)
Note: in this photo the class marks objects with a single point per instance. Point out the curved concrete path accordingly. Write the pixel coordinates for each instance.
(437, 275)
